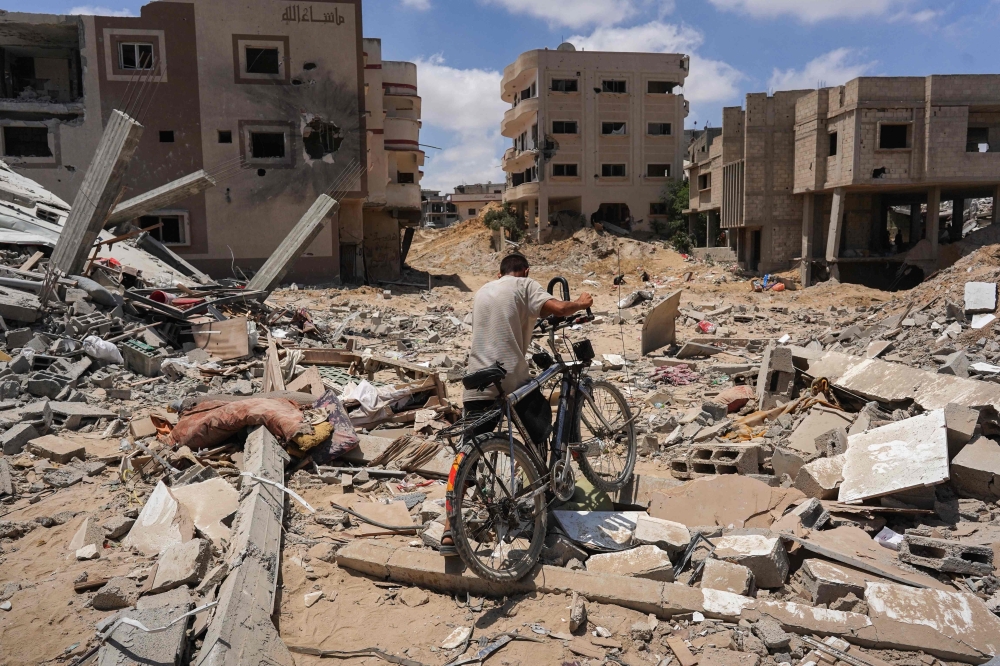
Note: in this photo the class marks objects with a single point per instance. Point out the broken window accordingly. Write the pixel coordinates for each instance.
(658, 171)
(658, 208)
(135, 56)
(26, 142)
(615, 128)
(833, 143)
(893, 137)
(565, 170)
(660, 87)
(613, 86)
(978, 140)
(321, 138)
(167, 136)
(172, 229)
(516, 179)
(565, 85)
(472, 212)
(612, 170)
(704, 181)
(267, 145)
(405, 178)
(659, 129)
(225, 136)
(262, 60)
(564, 127)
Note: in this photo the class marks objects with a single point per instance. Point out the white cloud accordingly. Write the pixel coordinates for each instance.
(95, 10)
(711, 81)
(922, 16)
(575, 13)
(812, 11)
(466, 104)
(420, 5)
(830, 69)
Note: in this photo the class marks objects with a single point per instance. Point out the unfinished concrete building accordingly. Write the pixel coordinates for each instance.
(594, 134)
(280, 89)
(468, 200)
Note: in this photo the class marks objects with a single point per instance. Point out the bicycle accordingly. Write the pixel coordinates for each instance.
(500, 487)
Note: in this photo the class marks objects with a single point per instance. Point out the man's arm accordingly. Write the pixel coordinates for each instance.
(559, 308)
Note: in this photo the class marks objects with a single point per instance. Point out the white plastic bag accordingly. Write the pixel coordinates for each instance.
(889, 539)
(102, 350)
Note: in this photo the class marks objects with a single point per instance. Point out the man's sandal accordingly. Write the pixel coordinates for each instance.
(448, 550)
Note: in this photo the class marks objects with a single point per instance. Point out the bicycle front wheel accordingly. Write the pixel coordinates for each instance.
(607, 435)
(496, 508)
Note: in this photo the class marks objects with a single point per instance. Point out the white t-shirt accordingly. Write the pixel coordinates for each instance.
(503, 316)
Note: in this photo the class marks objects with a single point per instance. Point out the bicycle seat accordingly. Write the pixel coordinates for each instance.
(482, 379)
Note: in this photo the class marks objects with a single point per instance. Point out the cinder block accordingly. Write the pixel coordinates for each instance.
(56, 449)
(832, 443)
(764, 556)
(141, 358)
(716, 459)
(826, 582)
(946, 556)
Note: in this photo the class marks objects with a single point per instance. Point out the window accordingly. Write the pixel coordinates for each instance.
(516, 179)
(658, 208)
(565, 170)
(26, 142)
(834, 143)
(172, 230)
(564, 127)
(262, 60)
(892, 137)
(659, 129)
(404, 178)
(225, 136)
(704, 181)
(617, 129)
(613, 86)
(167, 136)
(660, 87)
(135, 56)
(565, 85)
(978, 140)
(267, 145)
(472, 212)
(612, 170)
(657, 171)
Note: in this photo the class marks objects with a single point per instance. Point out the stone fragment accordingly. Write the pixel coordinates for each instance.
(324, 552)
(832, 443)
(558, 550)
(311, 598)
(771, 633)
(764, 556)
(956, 364)
(577, 613)
(118, 593)
(810, 515)
(726, 576)
(980, 297)
(826, 581)
(89, 533)
(162, 523)
(975, 471)
(14, 440)
(90, 552)
(641, 562)
(57, 449)
(961, 423)
(413, 597)
(208, 504)
(64, 477)
(665, 534)
(117, 527)
(456, 638)
(788, 462)
(821, 478)
(182, 564)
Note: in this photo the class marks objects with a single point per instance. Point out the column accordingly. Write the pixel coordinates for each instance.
(711, 228)
(532, 214)
(915, 229)
(934, 219)
(957, 220)
(836, 230)
(996, 205)
(543, 213)
(692, 226)
(808, 215)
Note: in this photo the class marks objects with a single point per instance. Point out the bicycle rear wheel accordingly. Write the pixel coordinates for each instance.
(496, 509)
(605, 429)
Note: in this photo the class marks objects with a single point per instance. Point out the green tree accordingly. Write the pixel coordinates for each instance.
(675, 195)
(505, 219)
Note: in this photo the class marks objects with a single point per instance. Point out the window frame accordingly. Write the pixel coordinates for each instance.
(909, 135)
(240, 45)
(261, 50)
(605, 168)
(668, 168)
(249, 127)
(673, 84)
(48, 142)
(833, 149)
(136, 46)
(654, 213)
(669, 126)
(574, 81)
(184, 225)
(566, 166)
(412, 175)
(607, 86)
(611, 123)
(707, 179)
(575, 123)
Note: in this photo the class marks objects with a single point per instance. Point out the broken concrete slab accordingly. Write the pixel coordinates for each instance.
(907, 454)
(57, 449)
(117, 527)
(956, 364)
(118, 593)
(961, 423)
(766, 557)
(879, 348)
(810, 515)
(601, 531)
(980, 297)
(668, 535)
(727, 576)
(788, 462)
(821, 478)
(660, 326)
(130, 646)
(161, 197)
(208, 503)
(17, 305)
(640, 562)
(777, 373)
(182, 564)
(695, 349)
(975, 470)
(946, 556)
(88, 533)
(14, 440)
(736, 501)
(162, 523)
(819, 421)
(827, 582)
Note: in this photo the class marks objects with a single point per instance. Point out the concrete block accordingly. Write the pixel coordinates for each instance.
(141, 358)
(810, 515)
(558, 550)
(726, 576)
(771, 633)
(209, 503)
(956, 364)
(63, 477)
(975, 471)
(14, 440)
(162, 523)
(665, 534)
(878, 348)
(716, 459)
(119, 593)
(641, 562)
(946, 556)
(89, 533)
(961, 423)
(777, 373)
(827, 582)
(130, 646)
(56, 449)
(764, 556)
(117, 527)
(980, 297)
(788, 462)
(18, 337)
(182, 564)
(817, 422)
(832, 443)
(821, 478)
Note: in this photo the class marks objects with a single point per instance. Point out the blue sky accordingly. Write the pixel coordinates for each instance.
(737, 46)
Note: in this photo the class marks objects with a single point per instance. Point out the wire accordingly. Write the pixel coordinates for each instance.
(621, 320)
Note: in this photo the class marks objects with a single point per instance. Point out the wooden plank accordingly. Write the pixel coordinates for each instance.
(241, 632)
(225, 340)
(681, 651)
(273, 379)
(32, 261)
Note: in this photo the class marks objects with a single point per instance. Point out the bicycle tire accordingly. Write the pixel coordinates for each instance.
(466, 468)
(626, 432)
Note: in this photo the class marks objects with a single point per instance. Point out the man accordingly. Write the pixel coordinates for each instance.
(503, 316)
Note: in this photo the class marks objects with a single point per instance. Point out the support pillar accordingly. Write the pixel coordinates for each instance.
(532, 212)
(305, 231)
(808, 215)
(543, 215)
(996, 205)
(934, 219)
(916, 233)
(710, 228)
(957, 220)
(692, 226)
(836, 230)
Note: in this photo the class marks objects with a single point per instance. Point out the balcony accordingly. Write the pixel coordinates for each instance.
(403, 195)
(518, 161)
(399, 78)
(517, 74)
(402, 134)
(521, 192)
(519, 118)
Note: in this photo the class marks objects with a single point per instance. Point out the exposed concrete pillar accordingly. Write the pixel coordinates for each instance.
(161, 197)
(808, 215)
(957, 220)
(711, 228)
(99, 192)
(996, 205)
(301, 236)
(836, 230)
(532, 213)
(934, 219)
(692, 227)
(543, 214)
(915, 228)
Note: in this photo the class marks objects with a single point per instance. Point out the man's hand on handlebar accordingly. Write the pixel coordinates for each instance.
(557, 308)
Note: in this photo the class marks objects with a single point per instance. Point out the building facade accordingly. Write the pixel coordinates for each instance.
(594, 134)
(275, 88)
(819, 171)
(469, 200)
(437, 210)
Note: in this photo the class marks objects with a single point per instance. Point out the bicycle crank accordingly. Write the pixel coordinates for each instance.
(563, 480)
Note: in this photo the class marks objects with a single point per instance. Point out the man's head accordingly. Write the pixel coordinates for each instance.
(515, 265)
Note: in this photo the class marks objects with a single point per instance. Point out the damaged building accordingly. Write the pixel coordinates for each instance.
(594, 134)
(853, 182)
(269, 100)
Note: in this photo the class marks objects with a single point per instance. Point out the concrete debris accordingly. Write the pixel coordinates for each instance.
(182, 564)
(765, 557)
(821, 478)
(640, 562)
(975, 470)
(727, 576)
(946, 556)
(980, 297)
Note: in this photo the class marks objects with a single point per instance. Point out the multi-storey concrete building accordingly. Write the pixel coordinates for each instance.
(820, 170)
(276, 87)
(594, 133)
(437, 210)
(468, 200)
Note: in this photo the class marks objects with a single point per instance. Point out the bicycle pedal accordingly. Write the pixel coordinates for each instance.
(588, 449)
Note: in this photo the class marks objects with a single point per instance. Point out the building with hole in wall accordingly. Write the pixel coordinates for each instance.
(267, 97)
